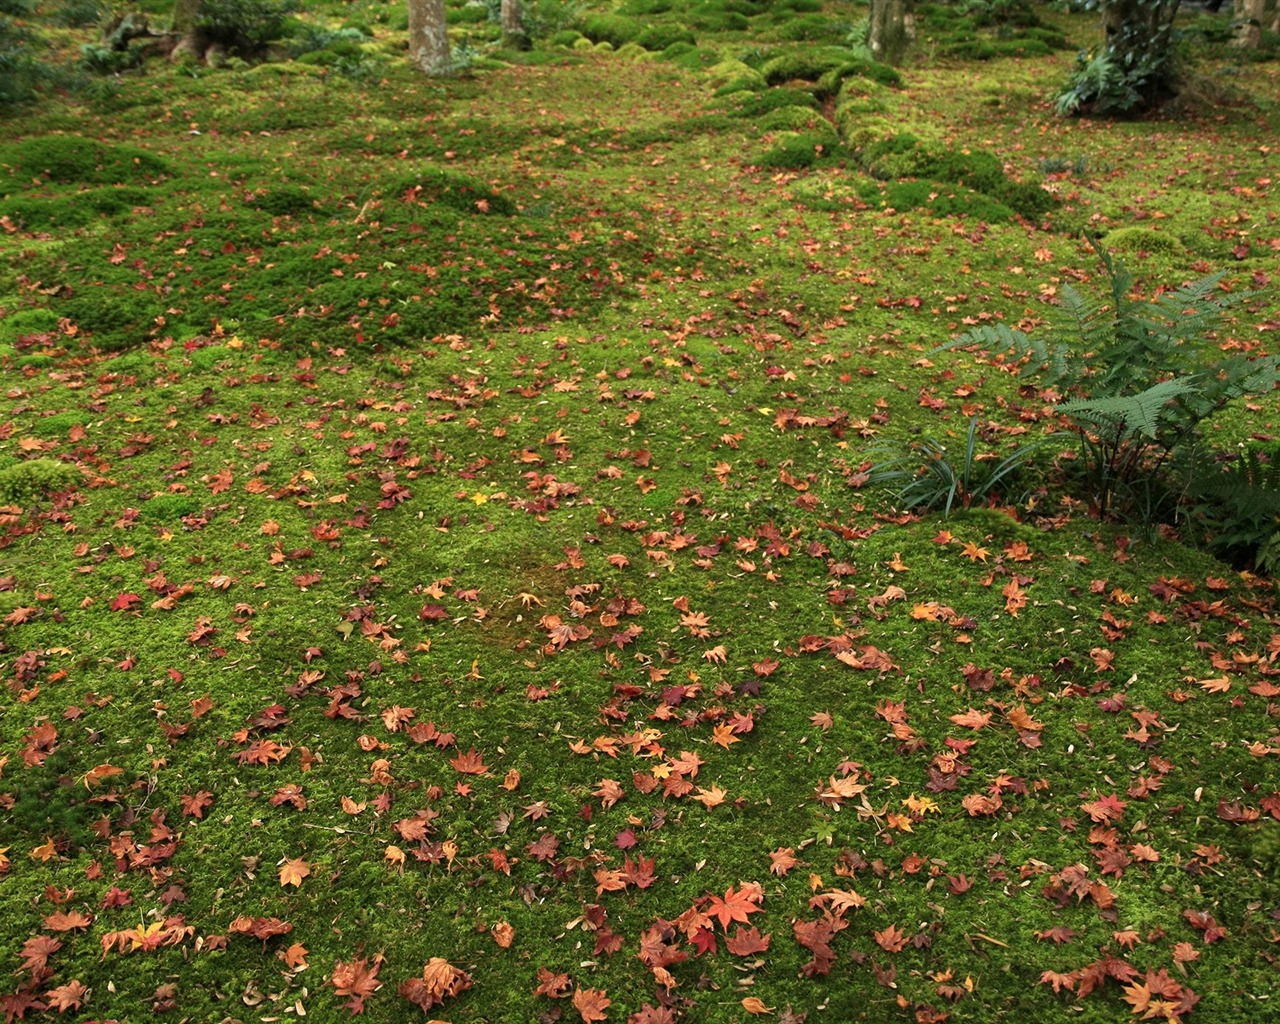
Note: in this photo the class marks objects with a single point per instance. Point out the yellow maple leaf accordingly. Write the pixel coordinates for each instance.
(45, 852)
(723, 736)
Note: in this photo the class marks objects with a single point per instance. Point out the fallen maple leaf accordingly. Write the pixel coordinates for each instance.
(62, 922)
(260, 927)
(553, 986)
(782, 860)
(357, 979)
(71, 996)
(592, 1004)
(440, 981)
(503, 934)
(292, 872)
(735, 906)
(892, 940)
(470, 763)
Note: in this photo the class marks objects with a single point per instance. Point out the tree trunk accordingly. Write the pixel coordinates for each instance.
(429, 37)
(514, 35)
(186, 14)
(1249, 16)
(892, 30)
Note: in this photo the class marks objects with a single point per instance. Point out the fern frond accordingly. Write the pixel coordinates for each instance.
(1139, 414)
(996, 336)
(1091, 321)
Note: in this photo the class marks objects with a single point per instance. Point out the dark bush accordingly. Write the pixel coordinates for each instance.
(811, 27)
(244, 26)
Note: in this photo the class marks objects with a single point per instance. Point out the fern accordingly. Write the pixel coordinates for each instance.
(1133, 415)
(1239, 508)
(1138, 379)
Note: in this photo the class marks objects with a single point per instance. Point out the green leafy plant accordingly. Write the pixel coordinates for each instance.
(1138, 383)
(924, 475)
(1135, 67)
(1238, 508)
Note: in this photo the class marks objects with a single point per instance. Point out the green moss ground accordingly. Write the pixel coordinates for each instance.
(522, 407)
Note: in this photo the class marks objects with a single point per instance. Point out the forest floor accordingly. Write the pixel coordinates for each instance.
(440, 566)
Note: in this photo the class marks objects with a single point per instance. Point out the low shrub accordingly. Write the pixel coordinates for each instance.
(60, 423)
(282, 200)
(1136, 240)
(25, 322)
(70, 210)
(719, 21)
(812, 27)
(806, 65)
(759, 104)
(244, 26)
(168, 508)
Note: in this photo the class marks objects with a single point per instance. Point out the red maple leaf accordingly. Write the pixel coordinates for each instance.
(745, 941)
(553, 986)
(125, 602)
(36, 952)
(735, 906)
(63, 922)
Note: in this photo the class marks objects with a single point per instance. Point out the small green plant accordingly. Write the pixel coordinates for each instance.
(1138, 382)
(924, 476)
(1238, 508)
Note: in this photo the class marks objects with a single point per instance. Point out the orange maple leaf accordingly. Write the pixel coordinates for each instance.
(592, 1004)
(356, 979)
(722, 735)
(292, 872)
(892, 940)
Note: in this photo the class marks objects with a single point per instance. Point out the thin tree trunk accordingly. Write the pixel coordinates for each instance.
(892, 30)
(429, 37)
(513, 30)
(186, 15)
(1249, 16)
